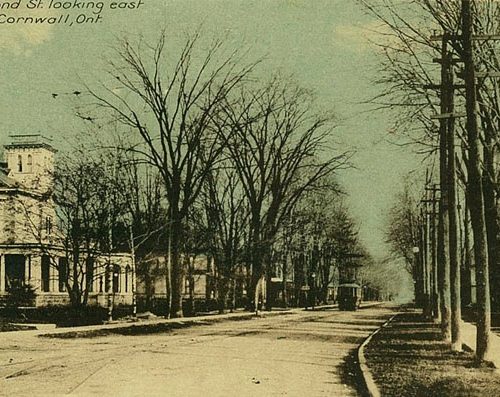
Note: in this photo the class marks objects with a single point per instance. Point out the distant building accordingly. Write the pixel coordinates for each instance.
(198, 281)
(30, 252)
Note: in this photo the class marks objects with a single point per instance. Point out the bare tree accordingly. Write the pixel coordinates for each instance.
(226, 220)
(322, 220)
(170, 109)
(402, 233)
(90, 204)
(145, 221)
(275, 141)
(412, 55)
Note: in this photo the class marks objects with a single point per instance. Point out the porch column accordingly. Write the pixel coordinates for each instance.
(36, 271)
(52, 278)
(27, 269)
(2, 273)
(122, 281)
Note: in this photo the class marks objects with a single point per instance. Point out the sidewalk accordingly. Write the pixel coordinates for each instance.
(469, 339)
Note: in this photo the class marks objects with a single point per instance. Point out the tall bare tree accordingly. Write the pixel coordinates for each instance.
(275, 141)
(90, 205)
(459, 19)
(170, 108)
(226, 218)
(402, 233)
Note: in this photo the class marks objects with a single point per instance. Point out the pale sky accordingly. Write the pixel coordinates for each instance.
(322, 43)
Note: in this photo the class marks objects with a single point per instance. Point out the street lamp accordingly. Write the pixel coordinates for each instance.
(418, 296)
(111, 297)
(313, 276)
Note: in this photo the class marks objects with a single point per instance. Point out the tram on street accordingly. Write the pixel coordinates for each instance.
(349, 296)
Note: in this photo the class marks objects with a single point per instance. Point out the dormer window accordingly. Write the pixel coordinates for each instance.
(29, 164)
(20, 163)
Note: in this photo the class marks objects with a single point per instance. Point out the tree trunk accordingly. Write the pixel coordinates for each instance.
(222, 293)
(285, 273)
(490, 208)
(233, 295)
(266, 265)
(467, 259)
(475, 191)
(177, 270)
(257, 266)
(168, 280)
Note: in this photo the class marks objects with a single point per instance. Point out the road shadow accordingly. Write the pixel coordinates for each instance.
(350, 373)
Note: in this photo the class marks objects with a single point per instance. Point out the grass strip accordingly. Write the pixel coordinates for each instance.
(407, 358)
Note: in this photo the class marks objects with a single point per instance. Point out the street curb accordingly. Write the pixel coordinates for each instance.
(370, 384)
(90, 331)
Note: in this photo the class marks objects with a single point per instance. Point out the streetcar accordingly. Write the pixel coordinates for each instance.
(349, 296)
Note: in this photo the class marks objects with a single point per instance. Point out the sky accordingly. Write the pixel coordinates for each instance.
(323, 44)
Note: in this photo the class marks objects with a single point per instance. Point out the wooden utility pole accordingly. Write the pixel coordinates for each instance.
(475, 189)
(447, 95)
(449, 265)
(424, 257)
(435, 298)
(443, 225)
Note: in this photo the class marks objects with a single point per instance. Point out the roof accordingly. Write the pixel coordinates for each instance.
(350, 285)
(30, 141)
(6, 181)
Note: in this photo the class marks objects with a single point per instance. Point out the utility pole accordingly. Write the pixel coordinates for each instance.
(426, 246)
(435, 297)
(133, 276)
(449, 265)
(474, 188)
(443, 225)
(451, 268)
(447, 93)
(423, 245)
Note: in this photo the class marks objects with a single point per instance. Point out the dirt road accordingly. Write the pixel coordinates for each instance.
(299, 354)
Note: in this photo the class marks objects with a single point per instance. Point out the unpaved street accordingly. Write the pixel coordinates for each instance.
(297, 354)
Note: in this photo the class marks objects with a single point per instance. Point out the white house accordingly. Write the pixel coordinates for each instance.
(29, 248)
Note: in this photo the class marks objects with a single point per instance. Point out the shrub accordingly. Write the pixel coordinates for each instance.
(21, 296)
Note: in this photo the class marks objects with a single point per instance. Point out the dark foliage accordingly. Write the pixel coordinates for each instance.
(63, 316)
(21, 296)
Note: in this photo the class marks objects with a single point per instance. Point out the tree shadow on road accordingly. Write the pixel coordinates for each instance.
(350, 373)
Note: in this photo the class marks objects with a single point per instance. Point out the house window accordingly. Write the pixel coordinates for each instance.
(45, 273)
(19, 163)
(63, 273)
(116, 278)
(127, 272)
(89, 274)
(48, 225)
(15, 268)
(29, 163)
(107, 279)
